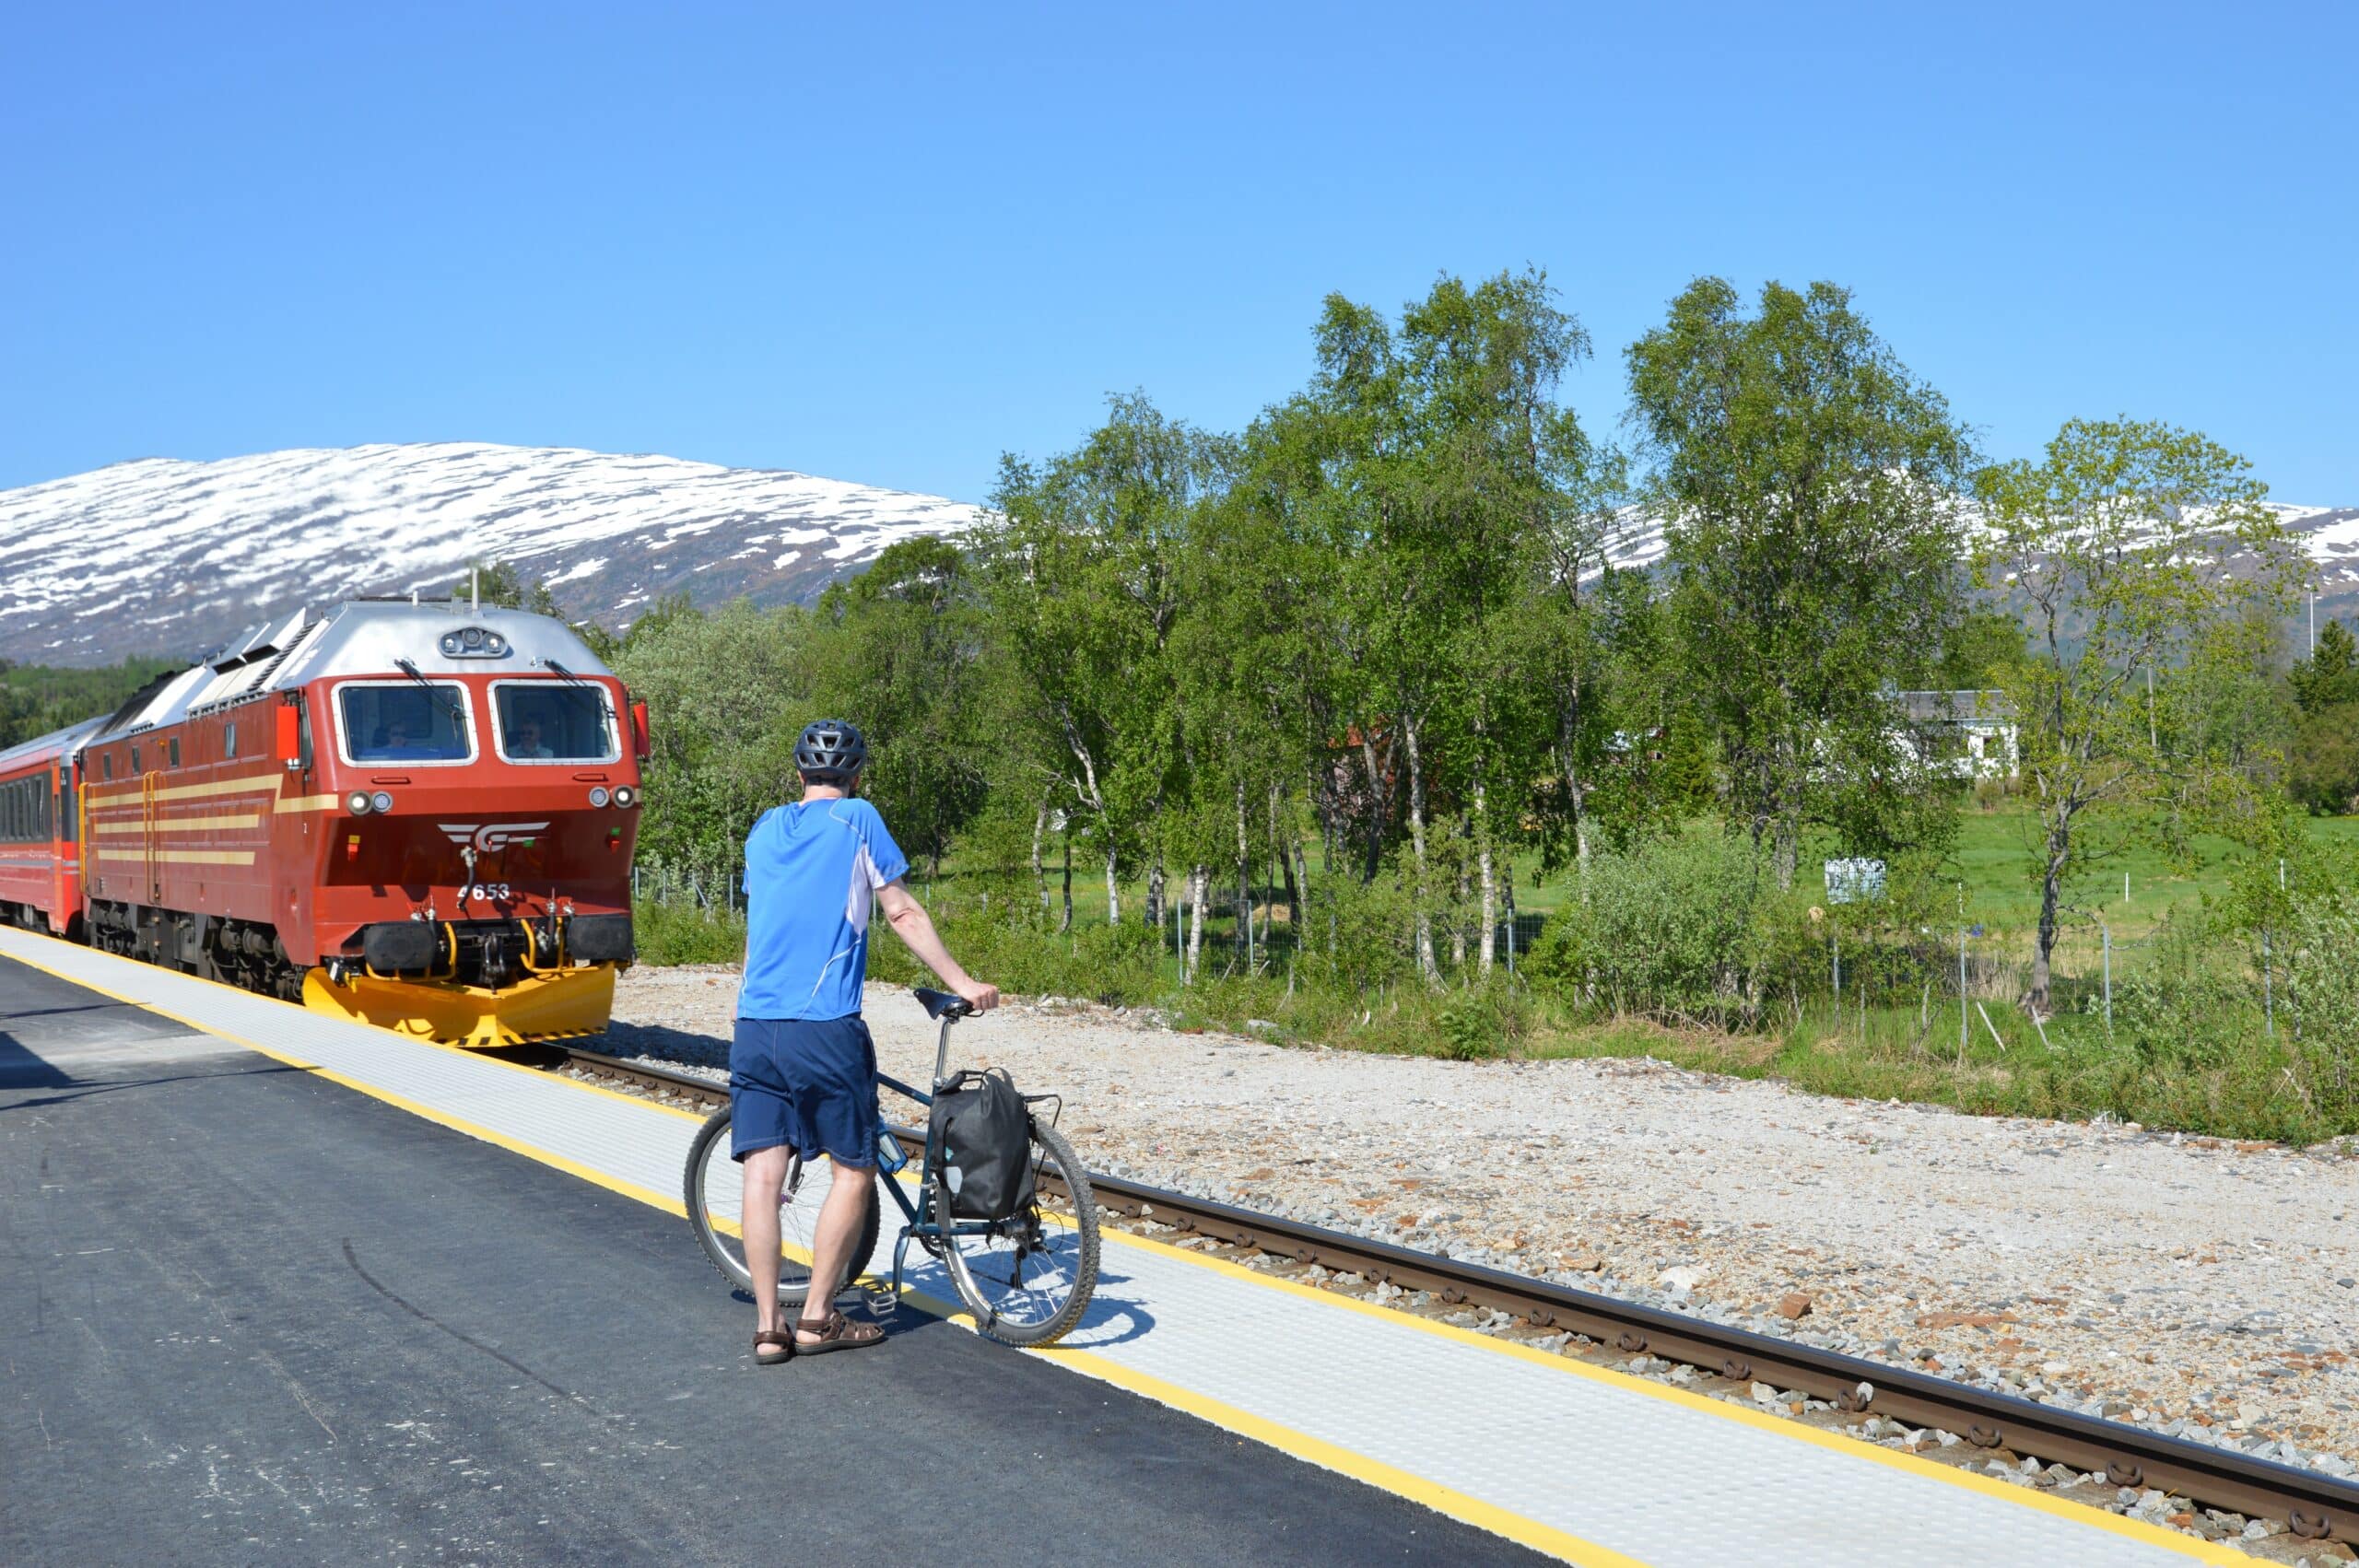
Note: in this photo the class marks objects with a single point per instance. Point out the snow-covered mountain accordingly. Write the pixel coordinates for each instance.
(2330, 534)
(165, 557)
(171, 557)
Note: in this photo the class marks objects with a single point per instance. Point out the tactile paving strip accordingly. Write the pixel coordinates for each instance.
(1590, 1464)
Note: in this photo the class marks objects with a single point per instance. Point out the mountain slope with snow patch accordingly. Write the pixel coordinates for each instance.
(166, 556)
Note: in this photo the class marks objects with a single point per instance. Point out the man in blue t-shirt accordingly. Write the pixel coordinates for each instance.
(803, 1069)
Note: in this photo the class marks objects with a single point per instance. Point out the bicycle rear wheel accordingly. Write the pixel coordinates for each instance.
(1029, 1282)
(715, 1194)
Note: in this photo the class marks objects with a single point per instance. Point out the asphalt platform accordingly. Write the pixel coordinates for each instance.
(247, 1316)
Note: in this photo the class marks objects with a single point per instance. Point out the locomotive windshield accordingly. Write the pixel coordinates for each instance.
(549, 722)
(408, 723)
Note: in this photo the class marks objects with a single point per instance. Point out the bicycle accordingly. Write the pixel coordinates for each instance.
(1026, 1279)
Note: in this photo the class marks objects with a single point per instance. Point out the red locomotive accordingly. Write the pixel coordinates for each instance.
(419, 815)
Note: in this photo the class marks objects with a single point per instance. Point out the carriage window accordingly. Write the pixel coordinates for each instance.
(66, 823)
(404, 723)
(230, 741)
(106, 765)
(172, 752)
(554, 721)
(135, 761)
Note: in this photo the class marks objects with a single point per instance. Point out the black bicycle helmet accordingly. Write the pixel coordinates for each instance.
(830, 752)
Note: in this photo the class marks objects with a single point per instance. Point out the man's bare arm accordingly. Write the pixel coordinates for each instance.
(915, 927)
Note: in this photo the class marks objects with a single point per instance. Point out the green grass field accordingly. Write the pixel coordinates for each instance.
(1995, 862)
(1902, 1042)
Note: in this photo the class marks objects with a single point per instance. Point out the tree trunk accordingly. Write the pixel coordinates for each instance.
(1040, 872)
(2051, 894)
(1420, 896)
(1113, 887)
(1576, 796)
(1378, 800)
(1066, 924)
(1244, 882)
(1487, 878)
(1198, 880)
(1154, 893)
(1458, 914)
(1296, 871)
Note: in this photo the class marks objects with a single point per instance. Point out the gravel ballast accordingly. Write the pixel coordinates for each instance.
(2198, 1287)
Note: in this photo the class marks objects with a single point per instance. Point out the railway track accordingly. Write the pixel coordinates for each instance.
(2312, 1506)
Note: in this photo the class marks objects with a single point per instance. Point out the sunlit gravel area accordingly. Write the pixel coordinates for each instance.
(2202, 1287)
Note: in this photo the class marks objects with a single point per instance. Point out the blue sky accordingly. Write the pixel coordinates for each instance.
(888, 243)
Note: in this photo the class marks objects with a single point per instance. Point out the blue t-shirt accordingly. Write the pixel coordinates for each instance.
(812, 872)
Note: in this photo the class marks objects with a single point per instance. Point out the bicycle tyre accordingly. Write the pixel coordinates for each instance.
(1084, 1221)
(724, 1252)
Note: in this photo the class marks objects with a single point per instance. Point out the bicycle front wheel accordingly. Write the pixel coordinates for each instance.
(1029, 1281)
(714, 1196)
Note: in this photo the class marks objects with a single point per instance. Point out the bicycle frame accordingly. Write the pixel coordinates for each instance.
(926, 1227)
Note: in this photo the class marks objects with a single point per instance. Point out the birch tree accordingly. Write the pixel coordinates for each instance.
(1808, 485)
(2140, 552)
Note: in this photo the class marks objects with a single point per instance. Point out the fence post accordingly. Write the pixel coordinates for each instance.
(1961, 992)
(1835, 946)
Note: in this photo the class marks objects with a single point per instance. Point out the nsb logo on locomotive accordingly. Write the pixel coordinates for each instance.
(488, 837)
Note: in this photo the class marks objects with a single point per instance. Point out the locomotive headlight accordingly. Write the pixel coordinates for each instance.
(493, 643)
(450, 645)
(598, 795)
(473, 636)
(358, 803)
(380, 801)
(626, 796)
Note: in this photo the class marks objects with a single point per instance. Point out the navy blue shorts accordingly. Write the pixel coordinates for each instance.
(809, 1084)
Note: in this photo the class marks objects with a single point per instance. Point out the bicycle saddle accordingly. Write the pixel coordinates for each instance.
(942, 1004)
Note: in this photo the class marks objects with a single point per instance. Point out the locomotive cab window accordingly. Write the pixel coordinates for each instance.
(404, 721)
(554, 721)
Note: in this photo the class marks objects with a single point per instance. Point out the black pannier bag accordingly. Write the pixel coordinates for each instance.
(981, 1132)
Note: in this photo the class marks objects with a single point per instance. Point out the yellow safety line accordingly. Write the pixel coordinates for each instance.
(1375, 1472)
(533, 1072)
(1442, 1498)
(1989, 1485)
(306, 802)
(444, 1119)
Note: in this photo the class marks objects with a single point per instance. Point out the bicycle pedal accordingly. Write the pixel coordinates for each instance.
(883, 1300)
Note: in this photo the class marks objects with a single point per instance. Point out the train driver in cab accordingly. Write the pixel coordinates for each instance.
(524, 741)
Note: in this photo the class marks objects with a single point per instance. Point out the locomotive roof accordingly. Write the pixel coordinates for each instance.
(43, 745)
(358, 637)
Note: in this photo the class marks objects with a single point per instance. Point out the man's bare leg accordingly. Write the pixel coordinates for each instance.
(765, 1176)
(839, 1221)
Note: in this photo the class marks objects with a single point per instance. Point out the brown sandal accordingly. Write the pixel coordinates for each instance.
(837, 1332)
(772, 1346)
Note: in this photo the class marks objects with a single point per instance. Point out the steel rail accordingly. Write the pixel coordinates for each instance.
(2313, 1505)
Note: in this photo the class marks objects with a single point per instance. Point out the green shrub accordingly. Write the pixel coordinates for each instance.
(2321, 1011)
(2192, 1005)
(1690, 926)
(680, 932)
